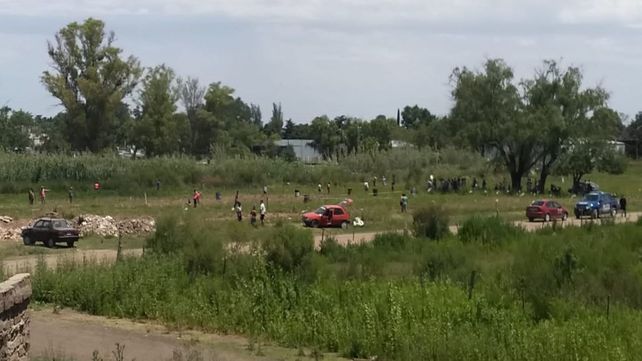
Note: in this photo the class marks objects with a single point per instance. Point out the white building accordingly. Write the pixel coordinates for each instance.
(303, 149)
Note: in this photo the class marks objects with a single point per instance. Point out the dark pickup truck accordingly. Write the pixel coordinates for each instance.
(50, 231)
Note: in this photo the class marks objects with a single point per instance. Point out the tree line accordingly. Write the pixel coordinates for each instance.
(549, 122)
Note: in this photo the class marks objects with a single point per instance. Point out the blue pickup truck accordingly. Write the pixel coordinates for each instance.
(595, 204)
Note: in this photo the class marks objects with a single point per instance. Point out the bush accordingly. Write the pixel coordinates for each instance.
(289, 248)
(431, 222)
(487, 230)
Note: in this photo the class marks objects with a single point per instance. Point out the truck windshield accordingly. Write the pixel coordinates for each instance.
(592, 198)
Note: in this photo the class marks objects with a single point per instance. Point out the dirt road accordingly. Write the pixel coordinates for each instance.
(75, 335)
(28, 263)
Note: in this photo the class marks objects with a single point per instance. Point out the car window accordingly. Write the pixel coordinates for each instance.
(338, 212)
(60, 224)
(550, 205)
(38, 224)
(538, 203)
(320, 210)
(592, 197)
(556, 205)
(46, 224)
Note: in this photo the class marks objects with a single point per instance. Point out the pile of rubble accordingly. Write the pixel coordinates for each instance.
(109, 227)
(9, 231)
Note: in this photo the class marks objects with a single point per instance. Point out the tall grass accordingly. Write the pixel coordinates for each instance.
(572, 294)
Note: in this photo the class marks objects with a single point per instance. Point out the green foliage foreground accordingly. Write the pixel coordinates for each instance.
(569, 295)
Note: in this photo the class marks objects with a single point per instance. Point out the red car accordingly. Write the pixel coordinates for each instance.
(547, 210)
(327, 216)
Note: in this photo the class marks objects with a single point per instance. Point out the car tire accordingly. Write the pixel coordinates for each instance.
(613, 212)
(314, 224)
(531, 220)
(70, 244)
(547, 218)
(564, 216)
(27, 241)
(345, 225)
(50, 243)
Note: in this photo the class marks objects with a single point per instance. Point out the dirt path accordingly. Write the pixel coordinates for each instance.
(75, 335)
(15, 265)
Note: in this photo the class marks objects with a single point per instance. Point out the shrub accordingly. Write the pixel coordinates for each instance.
(289, 248)
(487, 230)
(431, 222)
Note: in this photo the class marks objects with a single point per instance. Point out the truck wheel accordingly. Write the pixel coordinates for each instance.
(50, 243)
(27, 241)
(70, 244)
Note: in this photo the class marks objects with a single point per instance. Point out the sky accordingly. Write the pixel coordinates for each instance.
(358, 58)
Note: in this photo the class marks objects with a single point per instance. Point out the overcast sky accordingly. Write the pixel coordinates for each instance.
(354, 57)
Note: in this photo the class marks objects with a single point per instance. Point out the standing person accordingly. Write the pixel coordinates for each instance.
(32, 197)
(383, 179)
(262, 211)
(319, 187)
(623, 205)
(394, 181)
(70, 194)
(366, 186)
(239, 211)
(328, 187)
(374, 181)
(196, 198)
(157, 185)
(265, 190)
(403, 203)
(253, 216)
(43, 194)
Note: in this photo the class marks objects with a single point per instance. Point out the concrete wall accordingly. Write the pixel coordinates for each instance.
(15, 294)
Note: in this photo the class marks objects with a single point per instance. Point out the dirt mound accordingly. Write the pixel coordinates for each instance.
(9, 230)
(109, 227)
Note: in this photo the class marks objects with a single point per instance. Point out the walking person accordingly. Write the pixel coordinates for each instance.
(328, 187)
(32, 197)
(319, 187)
(253, 216)
(403, 203)
(239, 211)
(43, 194)
(70, 195)
(623, 205)
(196, 198)
(262, 211)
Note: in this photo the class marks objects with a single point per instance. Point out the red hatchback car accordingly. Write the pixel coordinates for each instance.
(546, 209)
(327, 216)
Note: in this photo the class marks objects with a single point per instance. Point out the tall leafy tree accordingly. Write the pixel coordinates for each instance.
(564, 110)
(255, 115)
(191, 95)
(15, 129)
(489, 109)
(415, 116)
(90, 78)
(159, 131)
(275, 126)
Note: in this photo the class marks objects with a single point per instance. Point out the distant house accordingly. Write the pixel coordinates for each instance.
(617, 146)
(302, 148)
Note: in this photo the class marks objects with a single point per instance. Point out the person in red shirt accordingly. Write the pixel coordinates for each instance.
(43, 194)
(196, 198)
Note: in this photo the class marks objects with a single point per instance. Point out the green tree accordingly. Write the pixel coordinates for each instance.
(415, 116)
(158, 131)
(255, 115)
(275, 126)
(91, 79)
(191, 95)
(380, 129)
(633, 134)
(489, 109)
(325, 136)
(296, 131)
(15, 129)
(563, 110)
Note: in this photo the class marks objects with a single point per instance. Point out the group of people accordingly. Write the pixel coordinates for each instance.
(262, 212)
